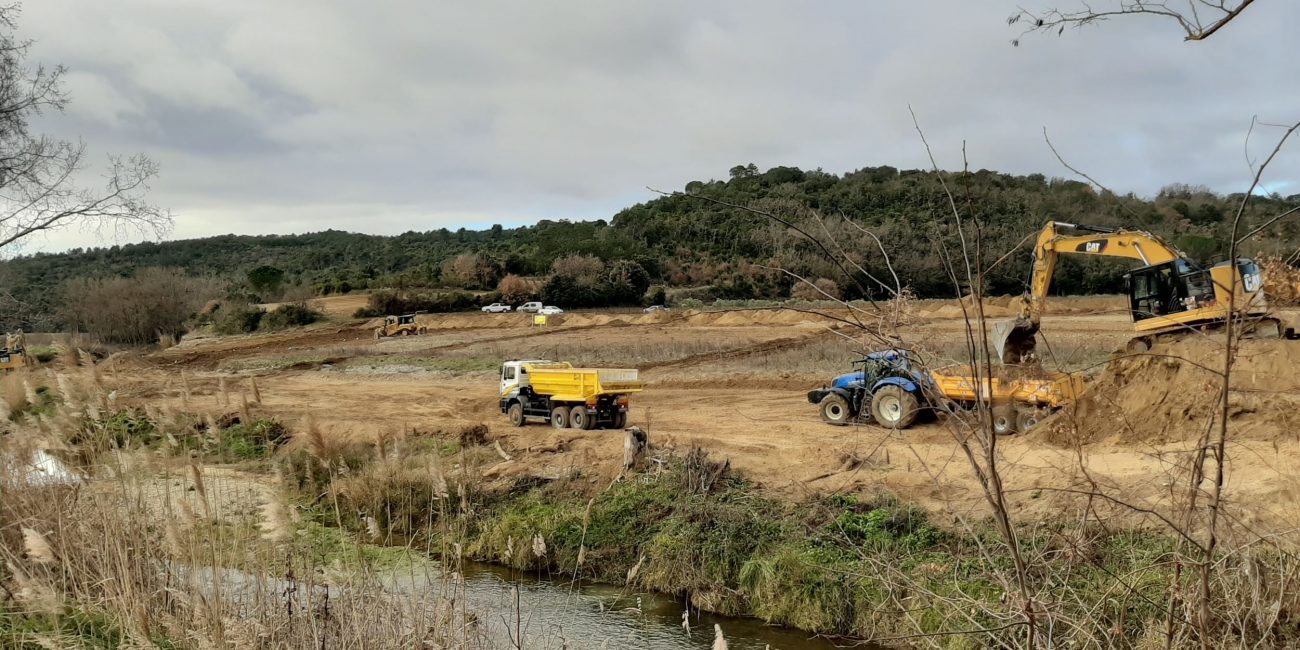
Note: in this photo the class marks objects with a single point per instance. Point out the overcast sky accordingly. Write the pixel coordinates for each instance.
(393, 115)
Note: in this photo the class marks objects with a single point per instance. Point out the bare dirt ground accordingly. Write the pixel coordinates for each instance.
(734, 383)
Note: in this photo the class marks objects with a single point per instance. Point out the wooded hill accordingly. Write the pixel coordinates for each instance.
(704, 237)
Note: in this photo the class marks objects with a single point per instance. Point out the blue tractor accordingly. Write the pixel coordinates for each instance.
(888, 389)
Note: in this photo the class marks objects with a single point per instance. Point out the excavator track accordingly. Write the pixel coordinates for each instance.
(1266, 327)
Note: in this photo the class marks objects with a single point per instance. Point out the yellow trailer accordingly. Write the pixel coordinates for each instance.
(578, 398)
(1054, 389)
(892, 390)
(1018, 397)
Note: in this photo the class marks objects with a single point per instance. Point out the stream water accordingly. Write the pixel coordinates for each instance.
(552, 614)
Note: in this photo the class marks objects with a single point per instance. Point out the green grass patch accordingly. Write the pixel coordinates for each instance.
(250, 441)
(43, 353)
(71, 628)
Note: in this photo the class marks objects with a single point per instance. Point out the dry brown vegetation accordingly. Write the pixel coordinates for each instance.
(154, 303)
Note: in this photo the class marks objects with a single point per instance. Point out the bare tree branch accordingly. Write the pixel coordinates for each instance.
(1189, 19)
(39, 174)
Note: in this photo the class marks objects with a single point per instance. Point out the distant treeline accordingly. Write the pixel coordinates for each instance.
(712, 237)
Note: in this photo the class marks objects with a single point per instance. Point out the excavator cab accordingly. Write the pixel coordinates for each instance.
(1169, 288)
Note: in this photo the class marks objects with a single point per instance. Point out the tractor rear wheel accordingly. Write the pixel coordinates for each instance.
(560, 417)
(894, 408)
(516, 414)
(835, 410)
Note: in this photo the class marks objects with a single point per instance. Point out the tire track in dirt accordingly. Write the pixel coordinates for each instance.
(524, 335)
(212, 358)
(766, 347)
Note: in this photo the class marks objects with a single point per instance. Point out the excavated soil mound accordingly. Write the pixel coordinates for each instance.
(1281, 281)
(1172, 393)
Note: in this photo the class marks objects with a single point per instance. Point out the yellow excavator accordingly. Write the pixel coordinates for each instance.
(1168, 295)
(14, 353)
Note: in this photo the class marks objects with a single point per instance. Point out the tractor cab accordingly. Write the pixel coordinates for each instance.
(406, 319)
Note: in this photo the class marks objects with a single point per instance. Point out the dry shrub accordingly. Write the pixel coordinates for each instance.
(514, 289)
(398, 501)
(700, 475)
(13, 392)
(820, 289)
(585, 269)
(473, 435)
(134, 310)
(1281, 281)
(145, 577)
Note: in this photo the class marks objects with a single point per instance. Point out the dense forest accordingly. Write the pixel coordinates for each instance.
(729, 239)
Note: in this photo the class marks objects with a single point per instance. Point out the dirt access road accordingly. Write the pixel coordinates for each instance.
(732, 383)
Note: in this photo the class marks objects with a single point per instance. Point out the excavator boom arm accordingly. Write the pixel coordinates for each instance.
(1014, 340)
(1133, 244)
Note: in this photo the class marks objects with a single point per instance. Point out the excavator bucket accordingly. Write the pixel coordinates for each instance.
(1015, 340)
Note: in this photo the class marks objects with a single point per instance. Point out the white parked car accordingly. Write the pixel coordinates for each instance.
(550, 310)
(654, 308)
(531, 307)
(497, 308)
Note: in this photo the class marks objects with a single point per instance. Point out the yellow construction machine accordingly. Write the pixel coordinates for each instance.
(14, 353)
(404, 325)
(1168, 295)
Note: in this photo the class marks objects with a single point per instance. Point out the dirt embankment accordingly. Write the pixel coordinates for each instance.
(1173, 394)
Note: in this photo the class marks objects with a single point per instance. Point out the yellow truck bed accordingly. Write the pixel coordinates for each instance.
(564, 383)
(1054, 389)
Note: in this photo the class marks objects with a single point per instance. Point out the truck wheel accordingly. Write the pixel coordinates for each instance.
(894, 408)
(835, 410)
(579, 418)
(1004, 419)
(560, 417)
(620, 420)
(1028, 418)
(1139, 345)
(516, 414)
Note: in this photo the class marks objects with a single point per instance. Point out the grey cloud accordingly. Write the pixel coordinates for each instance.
(386, 116)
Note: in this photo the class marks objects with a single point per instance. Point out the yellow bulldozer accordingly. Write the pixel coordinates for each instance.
(1169, 294)
(404, 325)
(14, 354)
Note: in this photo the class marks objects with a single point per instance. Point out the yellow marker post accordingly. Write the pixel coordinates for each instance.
(539, 319)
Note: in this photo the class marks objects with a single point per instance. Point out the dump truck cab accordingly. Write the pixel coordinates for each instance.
(514, 374)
